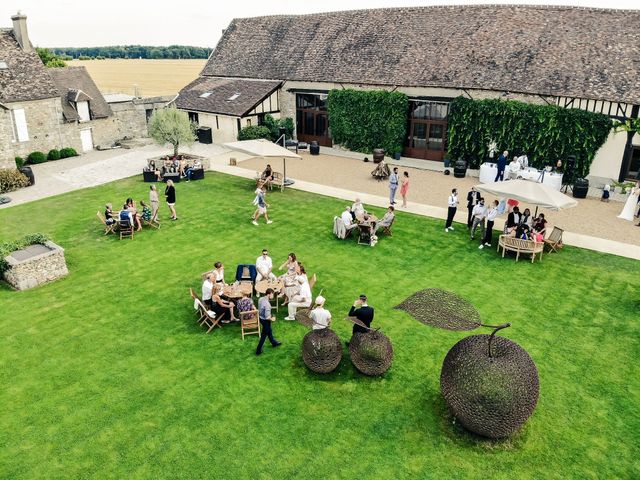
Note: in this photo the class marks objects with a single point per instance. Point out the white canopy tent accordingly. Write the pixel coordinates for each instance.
(534, 193)
(265, 149)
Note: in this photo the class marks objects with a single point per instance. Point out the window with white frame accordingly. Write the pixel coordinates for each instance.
(19, 125)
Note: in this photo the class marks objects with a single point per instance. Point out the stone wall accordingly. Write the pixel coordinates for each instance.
(36, 270)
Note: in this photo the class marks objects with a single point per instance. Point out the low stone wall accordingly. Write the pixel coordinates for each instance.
(34, 266)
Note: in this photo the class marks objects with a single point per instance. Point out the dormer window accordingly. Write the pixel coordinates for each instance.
(83, 111)
(233, 97)
(205, 95)
(3, 65)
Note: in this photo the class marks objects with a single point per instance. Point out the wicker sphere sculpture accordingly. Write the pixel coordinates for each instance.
(371, 353)
(321, 350)
(491, 385)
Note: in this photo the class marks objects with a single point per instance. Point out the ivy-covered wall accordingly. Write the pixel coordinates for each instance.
(363, 120)
(545, 133)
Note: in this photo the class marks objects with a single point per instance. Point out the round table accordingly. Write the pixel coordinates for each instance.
(277, 286)
(237, 291)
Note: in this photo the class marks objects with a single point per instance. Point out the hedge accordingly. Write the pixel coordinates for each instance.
(545, 133)
(363, 120)
(254, 131)
(11, 180)
(8, 247)
(68, 152)
(53, 154)
(36, 157)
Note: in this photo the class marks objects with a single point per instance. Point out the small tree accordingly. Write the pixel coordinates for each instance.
(170, 125)
(50, 59)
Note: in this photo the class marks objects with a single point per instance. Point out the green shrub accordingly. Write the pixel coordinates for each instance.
(364, 120)
(36, 157)
(274, 125)
(254, 131)
(545, 133)
(53, 154)
(19, 162)
(7, 247)
(68, 152)
(11, 180)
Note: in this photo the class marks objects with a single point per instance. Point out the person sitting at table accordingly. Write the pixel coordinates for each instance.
(347, 219)
(525, 218)
(320, 317)
(539, 225)
(514, 168)
(387, 220)
(222, 308)
(191, 168)
(207, 291)
(146, 211)
(357, 209)
(300, 299)
(245, 304)
(264, 265)
(218, 273)
(109, 215)
(126, 217)
(289, 278)
(134, 212)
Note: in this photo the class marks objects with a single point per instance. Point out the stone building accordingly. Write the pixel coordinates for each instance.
(568, 56)
(45, 108)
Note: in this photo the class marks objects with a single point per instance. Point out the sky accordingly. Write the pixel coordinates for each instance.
(91, 23)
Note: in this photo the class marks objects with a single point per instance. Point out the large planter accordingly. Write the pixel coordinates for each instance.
(321, 350)
(35, 265)
(378, 155)
(27, 172)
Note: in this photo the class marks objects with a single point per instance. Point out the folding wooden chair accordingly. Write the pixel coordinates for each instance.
(196, 304)
(126, 229)
(249, 323)
(387, 230)
(208, 317)
(313, 281)
(554, 240)
(151, 223)
(107, 228)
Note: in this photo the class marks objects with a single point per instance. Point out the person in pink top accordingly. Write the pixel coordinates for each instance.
(404, 187)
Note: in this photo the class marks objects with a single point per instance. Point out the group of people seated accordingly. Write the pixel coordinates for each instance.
(130, 215)
(355, 215)
(169, 165)
(524, 226)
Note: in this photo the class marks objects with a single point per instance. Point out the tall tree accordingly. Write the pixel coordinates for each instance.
(170, 125)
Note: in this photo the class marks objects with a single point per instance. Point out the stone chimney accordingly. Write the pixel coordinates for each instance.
(20, 31)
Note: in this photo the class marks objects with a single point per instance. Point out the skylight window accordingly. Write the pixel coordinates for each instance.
(205, 95)
(234, 96)
(3, 65)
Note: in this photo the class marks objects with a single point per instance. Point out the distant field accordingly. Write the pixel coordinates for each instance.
(153, 77)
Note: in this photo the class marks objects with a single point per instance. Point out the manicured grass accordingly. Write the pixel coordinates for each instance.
(107, 375)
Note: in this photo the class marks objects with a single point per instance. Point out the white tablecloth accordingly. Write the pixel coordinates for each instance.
(488, 173)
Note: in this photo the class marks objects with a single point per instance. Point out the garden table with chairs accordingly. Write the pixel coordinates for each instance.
(236, 291)
(277, 286)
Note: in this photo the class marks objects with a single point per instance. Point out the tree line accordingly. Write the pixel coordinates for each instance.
(132, 51)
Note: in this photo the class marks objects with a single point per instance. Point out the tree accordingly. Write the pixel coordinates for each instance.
(170, 125)
(50, 59)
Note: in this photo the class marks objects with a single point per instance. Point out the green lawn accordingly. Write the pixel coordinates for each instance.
(105, 373)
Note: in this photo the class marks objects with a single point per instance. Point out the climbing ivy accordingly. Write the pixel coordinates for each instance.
(545, 133)
(362, 120)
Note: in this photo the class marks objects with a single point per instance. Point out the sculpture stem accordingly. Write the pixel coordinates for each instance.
(496, 328)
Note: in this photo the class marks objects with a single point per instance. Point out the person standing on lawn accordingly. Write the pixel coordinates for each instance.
(479, 214)
(153, 199)
(264, 313)
(393, 185)
(491, 218)
(363, 312)
(451, 212)
(473, 197)
(170, 194)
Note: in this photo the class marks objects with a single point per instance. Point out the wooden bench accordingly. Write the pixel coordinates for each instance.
(519, 246)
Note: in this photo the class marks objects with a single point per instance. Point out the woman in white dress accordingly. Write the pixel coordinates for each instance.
(631, 204)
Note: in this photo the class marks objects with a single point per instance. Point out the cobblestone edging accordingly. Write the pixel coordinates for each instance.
(36, 270)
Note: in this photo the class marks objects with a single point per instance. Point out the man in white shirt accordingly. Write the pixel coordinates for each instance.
(207, 288)
(264, 265)
(357, 209)
(491, 217)
(451, 212)
(347, 219)
(523, 160)
(320, 317)
(301, 299)
(514, 168)
(478, 215)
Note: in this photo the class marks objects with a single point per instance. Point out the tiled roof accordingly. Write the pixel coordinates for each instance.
(25, 77)
(561, 51)
(74, 84)
(235, 97)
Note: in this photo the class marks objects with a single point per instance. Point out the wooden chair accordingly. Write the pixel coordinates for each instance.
(151, 223)
(278, 181)
(197, 302)
(554, 240)
(250, 323)
(313, 281)
(208, 317)
(107, 228)
(387, 230)
(126, 229)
